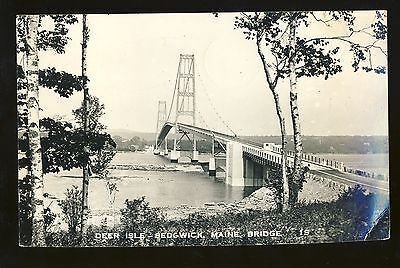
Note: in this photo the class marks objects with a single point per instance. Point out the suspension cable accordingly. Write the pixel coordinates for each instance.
(206, 125)
(215, 110)
(206, 93)
(173, 96)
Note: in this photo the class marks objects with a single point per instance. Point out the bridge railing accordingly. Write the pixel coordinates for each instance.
(307, 157)
(313, 159)
(366, 173)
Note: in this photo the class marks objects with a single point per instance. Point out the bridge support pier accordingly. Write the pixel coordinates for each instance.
(211, 167)
(166, 147)
(195, 157)
(254, 174)
(175, 156)
(265, 174)
(248, 171)
(234, 164)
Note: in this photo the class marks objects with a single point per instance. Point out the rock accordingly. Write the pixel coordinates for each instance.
(263, 199)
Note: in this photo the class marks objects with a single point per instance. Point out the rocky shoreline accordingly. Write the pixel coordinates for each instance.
(262, 199)
(144, 167)
(150, 167)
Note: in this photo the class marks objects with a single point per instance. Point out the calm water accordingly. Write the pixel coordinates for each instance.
(378, 163)
(191, 186)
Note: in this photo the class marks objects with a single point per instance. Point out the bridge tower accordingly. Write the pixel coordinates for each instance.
(161, 119)
(185, 90)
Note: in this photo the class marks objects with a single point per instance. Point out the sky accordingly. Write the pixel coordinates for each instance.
(132, 64)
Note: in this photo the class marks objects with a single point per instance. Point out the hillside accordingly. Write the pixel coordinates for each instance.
(129, 134)
(312, 144)
(333, 144)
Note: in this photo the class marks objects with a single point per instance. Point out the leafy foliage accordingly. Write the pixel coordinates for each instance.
(296, 184)
(95, 112)
(333, 144)
(112, 190)
(314, 56)
(319, 222)
(53, 37)
(71, 207)
(64, 146)
(63, 83)
(379, 25)
(25, 212)
(315, 60)
(49, 218)
(139, 216)
(100, 161)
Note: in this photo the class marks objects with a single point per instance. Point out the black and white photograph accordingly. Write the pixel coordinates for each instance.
(202, 129)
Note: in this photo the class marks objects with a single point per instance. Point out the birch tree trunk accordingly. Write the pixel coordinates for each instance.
(272, 87)
(35, 152)
(85, 181)
(294, 110)
(285, 181)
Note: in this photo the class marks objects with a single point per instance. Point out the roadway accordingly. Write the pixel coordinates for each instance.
(371, 184)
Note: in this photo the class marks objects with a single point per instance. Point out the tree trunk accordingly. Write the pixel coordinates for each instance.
(35, 151)
(272, 86)
(298, 147)
(285, 181)
(85, 181)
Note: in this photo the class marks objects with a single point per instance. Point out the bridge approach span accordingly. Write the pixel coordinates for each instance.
(242, 154)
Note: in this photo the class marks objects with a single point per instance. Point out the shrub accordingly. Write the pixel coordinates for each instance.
(71, 207)
(304, 223)
(139, 216)
(63, 238)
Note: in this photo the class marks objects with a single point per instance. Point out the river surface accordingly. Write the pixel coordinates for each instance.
(190, 185)
(377, 163)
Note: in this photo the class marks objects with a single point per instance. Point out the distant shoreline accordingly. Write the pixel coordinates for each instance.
(347, 153)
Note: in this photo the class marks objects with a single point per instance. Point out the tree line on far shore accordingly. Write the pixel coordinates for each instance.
(333, 144)
(311, 144)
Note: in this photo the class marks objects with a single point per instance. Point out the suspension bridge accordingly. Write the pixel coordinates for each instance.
(245, 163)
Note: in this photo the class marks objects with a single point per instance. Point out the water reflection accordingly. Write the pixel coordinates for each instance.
(171, 188)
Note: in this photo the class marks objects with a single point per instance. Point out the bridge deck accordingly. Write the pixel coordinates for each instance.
(372, 185)
(323, 170)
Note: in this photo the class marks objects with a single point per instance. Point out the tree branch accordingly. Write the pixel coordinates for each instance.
(343, 38)
(267, 74)
(320, 20)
